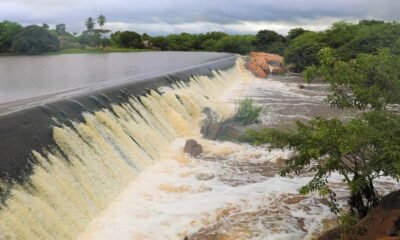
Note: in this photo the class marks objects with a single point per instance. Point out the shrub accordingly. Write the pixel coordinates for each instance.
(247, 112)
(347, 226)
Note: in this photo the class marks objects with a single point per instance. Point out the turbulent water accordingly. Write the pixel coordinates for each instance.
(121, 174)
(231, 191)
(94, 160)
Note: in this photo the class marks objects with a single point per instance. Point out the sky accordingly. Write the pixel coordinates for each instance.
(161, 17)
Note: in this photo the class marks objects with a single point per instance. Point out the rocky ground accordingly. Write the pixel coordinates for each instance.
(262, 64)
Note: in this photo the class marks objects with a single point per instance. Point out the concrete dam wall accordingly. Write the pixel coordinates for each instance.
(66, 152)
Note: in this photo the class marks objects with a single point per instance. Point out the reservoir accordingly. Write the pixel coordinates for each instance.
(45, 78)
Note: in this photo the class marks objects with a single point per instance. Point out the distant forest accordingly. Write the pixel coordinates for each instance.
(300, 47)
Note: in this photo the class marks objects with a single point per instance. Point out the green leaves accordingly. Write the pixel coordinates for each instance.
(241, 44)
(34, 40)
(270, 41)
(101, 20)
(127, 39)
(361, 150)
(90, 24)
(8, 30)
(368, 81)
(247, 112)
(346, 40)
(303, 50)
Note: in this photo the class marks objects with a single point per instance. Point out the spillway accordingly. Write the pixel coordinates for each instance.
(68, 150)
(91, 149)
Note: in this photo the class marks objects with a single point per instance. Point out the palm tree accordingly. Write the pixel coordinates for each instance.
(101, 20)
(89, 24)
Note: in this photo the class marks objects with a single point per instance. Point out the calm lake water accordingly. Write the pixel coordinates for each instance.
(24, 77)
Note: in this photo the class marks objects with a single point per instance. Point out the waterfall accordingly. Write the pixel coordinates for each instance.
(94, 158)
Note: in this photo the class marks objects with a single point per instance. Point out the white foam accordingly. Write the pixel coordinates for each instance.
(231, 190)
(170, 200)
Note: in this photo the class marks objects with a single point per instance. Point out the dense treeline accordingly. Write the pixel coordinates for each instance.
(300, 47)
(345, 39)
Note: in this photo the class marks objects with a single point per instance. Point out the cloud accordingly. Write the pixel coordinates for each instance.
(242, 27)
(165, 16)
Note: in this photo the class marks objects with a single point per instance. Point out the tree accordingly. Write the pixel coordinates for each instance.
(92, 38)
(270, 41)
(8, 30)
(101, 20)
(181, 42)
(34, 40)
(370, 81)
(295, 32)
(45, 26)
(303, 50)
(370, 22)
(396, 48)
(347, 40)
(127, 39)
(360, 150)
(210, 45)
(89, 24)
(208, 41)
(215, 35)
(160, 42)
(340, 33)
(241, 44)
(146, 37)
(61, 28)
(369, 39)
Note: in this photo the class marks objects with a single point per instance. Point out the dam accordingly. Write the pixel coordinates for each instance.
(71, 142)
(98, 154)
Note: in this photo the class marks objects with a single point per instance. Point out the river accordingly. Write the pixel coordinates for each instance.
(117, 171)
(232, 191)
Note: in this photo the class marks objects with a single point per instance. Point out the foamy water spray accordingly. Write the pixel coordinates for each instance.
(94, 160)
(231, 191)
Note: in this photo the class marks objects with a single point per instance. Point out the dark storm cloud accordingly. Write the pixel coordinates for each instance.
(218, 13)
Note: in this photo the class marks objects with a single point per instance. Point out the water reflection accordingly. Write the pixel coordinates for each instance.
(23, 77)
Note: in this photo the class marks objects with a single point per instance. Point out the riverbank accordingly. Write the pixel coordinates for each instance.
(86, 51)
(100, 50)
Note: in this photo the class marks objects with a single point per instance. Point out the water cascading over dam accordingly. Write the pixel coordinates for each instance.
(65, 156)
